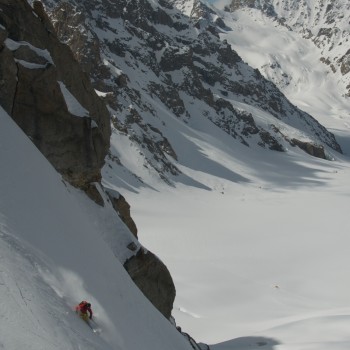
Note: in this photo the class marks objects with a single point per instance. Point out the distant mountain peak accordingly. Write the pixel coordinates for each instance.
(325, 22)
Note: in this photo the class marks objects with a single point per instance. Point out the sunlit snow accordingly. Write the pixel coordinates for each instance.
(257, 241)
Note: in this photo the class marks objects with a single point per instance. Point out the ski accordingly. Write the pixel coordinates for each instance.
(96, 328)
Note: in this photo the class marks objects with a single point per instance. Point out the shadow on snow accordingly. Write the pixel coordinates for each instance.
(243, 343)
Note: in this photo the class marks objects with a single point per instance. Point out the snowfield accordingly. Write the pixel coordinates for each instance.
(271, 261)
(259, 247)
(257, 241)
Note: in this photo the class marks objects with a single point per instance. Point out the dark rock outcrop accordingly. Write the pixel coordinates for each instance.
(122, 207)
(153, 279)
(312, 149)
(49, 96)
(345, 63)
(264, 5)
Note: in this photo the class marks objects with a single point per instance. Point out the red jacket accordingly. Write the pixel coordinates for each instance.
(84, 308)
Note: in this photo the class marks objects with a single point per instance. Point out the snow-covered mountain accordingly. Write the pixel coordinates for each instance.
(153, 62)
(256, 240)
(325, 23)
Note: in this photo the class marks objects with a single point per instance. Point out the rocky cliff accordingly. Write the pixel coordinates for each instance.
(154, 279)
(48, 95)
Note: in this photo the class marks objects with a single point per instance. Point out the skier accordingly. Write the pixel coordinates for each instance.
(82, 310)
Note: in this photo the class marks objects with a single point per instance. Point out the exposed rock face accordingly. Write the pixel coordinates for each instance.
(122, 207)
(49, 96)
(154, 280)
(265, 6)
(314, 150)
(345, 63)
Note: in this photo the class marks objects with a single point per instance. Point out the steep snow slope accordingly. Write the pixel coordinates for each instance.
(57, 248)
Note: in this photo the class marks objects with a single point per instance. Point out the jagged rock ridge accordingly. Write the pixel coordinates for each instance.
(142, 55)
